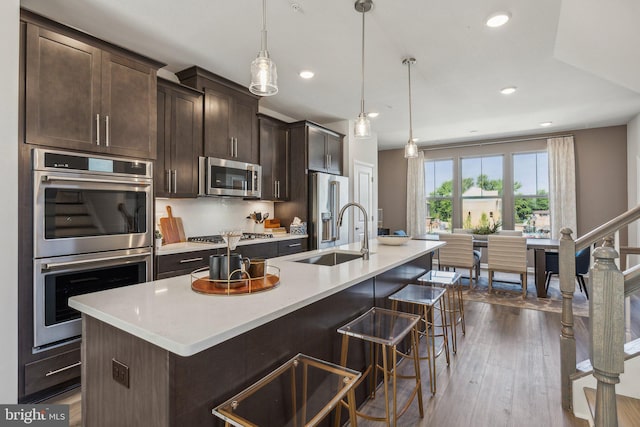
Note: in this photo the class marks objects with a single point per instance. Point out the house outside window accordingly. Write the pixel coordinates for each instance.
(481, 191)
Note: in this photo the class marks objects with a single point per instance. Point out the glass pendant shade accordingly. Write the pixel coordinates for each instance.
(362, 127)
(410, 150)
(264, 76)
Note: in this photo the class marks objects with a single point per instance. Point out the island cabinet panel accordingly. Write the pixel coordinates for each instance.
(146, 401)
(230, 116)
(179, 140)
(172, 265)
(83, 93)
(288, 247)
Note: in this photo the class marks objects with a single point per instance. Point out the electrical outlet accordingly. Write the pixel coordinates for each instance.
(120, 372)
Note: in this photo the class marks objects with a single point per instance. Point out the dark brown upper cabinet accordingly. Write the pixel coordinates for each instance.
(230, 116)
(324, 149)
(179, 140)
(85, 94)
(274, 158)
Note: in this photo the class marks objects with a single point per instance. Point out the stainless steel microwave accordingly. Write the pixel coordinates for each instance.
(220, 177)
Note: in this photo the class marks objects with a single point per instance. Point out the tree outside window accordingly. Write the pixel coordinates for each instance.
(482, 191)
(531, 192)
(438, 178)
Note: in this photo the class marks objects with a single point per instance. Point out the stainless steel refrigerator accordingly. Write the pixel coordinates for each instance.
(327, 194)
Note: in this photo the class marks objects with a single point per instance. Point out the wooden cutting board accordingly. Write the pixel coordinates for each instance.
(172, 229)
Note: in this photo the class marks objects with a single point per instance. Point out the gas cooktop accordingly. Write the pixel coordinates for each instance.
(217, 238)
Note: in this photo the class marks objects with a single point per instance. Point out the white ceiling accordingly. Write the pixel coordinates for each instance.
(575, 62)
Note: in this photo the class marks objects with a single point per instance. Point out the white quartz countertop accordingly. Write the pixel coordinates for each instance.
(169, 314)
(183, 247)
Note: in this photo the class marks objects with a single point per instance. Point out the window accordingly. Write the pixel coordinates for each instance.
(531, 192)
(481, 182)
(438, 185)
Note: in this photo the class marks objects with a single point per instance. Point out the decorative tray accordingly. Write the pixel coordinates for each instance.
(201, 283)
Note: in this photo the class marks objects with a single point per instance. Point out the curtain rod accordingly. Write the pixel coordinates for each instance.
(480, 144)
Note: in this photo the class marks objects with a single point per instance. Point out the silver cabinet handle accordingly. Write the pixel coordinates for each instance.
(277, 183)
(279, 189)
(235, 147)
(185, 261)
(175, 180)
(47, 178)
(231, 146)
(57, 371)
(97, 129)
(293, 245)
(169, 180)
(106, 120)
(275, 188)
(54, 265)
(329, 165)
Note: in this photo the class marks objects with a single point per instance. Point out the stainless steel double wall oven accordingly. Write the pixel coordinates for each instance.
(93, 230)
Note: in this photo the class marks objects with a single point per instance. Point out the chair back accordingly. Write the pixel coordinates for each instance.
(458, 252)
(507, 253)
(510, 233)
(583, 258)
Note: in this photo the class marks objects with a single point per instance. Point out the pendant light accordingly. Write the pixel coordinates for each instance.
(362, 127)
(411, 149)
(264, 77)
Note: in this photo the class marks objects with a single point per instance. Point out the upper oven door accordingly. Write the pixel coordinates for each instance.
(78, 213)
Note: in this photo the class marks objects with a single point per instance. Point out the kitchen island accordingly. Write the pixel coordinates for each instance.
(184, 352)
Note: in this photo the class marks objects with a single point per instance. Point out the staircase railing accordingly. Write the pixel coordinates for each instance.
(608, 289)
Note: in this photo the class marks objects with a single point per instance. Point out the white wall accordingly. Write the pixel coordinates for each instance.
(9, 34)
(364, 151)
(210, 215)
(633, 178)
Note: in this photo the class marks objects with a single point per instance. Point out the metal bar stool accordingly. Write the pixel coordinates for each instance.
(385, 328)
(454, 304)
(427, 298)
(301, 392)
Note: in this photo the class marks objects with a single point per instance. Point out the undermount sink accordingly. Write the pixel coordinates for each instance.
(331, 258)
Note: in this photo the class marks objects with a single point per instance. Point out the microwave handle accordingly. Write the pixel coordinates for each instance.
(54, 265)
(46, 178)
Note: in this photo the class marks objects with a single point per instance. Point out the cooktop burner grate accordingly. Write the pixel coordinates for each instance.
(216, 238)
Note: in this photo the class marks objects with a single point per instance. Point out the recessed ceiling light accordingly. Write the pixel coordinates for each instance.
(498, 19)
(508, 90)
(306, 74)
(545, 124)
(373, 114)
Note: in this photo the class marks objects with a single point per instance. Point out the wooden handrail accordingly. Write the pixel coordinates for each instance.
(608, 228)
(632, 280)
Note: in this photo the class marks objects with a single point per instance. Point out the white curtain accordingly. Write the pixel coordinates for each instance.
(562, 185)
(416, 216)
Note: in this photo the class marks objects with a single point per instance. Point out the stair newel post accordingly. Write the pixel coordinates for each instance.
(567, 268)
(606, 306)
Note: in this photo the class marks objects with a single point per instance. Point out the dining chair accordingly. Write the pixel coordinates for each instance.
(508, 254)
(552, 266)
(476, 252)
(459, 253)
(510, 233)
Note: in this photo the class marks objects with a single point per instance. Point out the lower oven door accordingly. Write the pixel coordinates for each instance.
(56, 279)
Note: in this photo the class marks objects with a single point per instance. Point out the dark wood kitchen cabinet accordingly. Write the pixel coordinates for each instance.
(324, 150)
(230, 116)
(179, 140)
(274, 158)
(85, 94)
(172, 265)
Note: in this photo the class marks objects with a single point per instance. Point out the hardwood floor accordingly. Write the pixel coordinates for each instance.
(506, 373)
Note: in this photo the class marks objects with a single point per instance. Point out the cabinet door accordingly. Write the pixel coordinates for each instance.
(334, 152)
(316, 141)
(281, 164)
(217, 140)
(186, 143)
(244, 128)
(62, 90)
(129, 106)
(163, 159)
(268, 134)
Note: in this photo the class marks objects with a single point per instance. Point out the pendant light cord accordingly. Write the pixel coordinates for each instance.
(410, 115)
(264, 25)
(362, 73)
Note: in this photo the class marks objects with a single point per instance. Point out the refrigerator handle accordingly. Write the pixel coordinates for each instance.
(335, 208)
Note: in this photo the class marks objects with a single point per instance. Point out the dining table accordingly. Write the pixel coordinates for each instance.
(538, 245)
